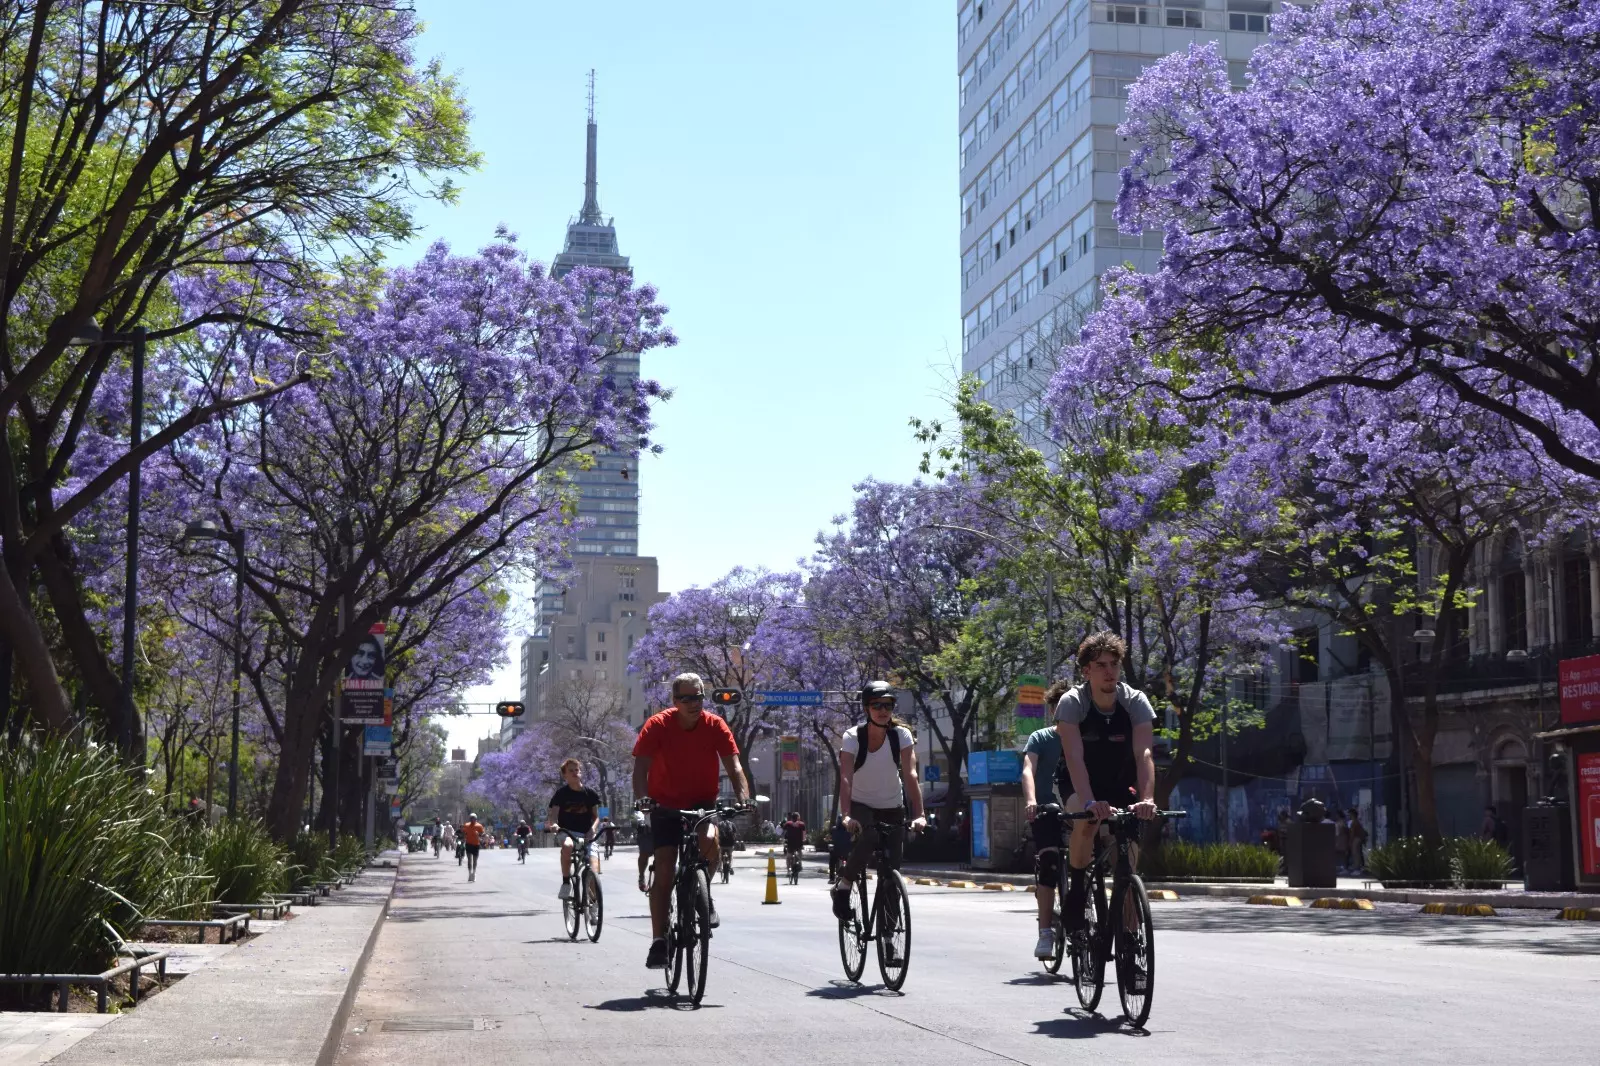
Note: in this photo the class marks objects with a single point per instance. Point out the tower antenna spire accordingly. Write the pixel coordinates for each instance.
(591, 196)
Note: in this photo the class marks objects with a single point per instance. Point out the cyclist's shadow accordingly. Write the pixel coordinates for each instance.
(1079, 1024)
(653, 999)
(840, 989)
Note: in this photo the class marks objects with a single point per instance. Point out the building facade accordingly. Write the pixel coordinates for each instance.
(1043, 88)
(586, 622)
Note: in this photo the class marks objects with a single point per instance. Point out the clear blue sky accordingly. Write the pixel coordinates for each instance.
(786, 175)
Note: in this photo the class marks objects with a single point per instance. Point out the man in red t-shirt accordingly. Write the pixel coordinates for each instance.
(675, 766)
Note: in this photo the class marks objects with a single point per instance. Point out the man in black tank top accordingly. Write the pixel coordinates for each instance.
(1106, 729)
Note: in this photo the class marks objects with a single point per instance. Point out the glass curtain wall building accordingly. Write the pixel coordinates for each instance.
(1043, 85)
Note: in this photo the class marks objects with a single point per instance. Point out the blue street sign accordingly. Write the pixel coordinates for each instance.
(930, 773)
(789, 698)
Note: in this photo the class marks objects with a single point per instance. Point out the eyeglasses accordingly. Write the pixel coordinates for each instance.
(698, 697)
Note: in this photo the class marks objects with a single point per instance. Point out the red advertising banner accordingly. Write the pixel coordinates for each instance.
(1588, 812)
(1580, 690)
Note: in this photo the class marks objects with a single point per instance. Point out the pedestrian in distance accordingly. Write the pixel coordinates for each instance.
(1358, 841)
(1341, 838)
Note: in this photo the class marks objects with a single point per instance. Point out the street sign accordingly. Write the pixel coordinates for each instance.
(378, 740)
(391, 788)
(788, 698)
(930, 773)
(605, 812)
(1580, 689)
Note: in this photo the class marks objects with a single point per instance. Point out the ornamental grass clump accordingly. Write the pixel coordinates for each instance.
(1410, 862)
(246, 862)
(1478, 863)
(85, 856)
(308, 860)
(1180, 859)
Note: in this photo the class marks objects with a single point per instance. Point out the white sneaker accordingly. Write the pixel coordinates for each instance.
(566, 890)
(1046, 947)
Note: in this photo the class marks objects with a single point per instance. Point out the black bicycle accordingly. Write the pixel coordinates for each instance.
(725, 867)
(522, 849)
(584, 905)
(689, 904)
(792, 857)
(1130, 943)
(887, 921)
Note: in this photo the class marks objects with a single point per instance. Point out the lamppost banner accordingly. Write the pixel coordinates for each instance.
(789, 757)
(365, 696)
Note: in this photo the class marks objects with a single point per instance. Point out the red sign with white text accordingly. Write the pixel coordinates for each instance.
(1588, 811)
(1580, 690)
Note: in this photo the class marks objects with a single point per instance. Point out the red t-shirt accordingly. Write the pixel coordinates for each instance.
(685, 764)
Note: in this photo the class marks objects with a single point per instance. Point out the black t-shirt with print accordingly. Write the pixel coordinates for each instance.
(575, 808)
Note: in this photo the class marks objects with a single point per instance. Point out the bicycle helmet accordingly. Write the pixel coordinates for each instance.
(875, 690)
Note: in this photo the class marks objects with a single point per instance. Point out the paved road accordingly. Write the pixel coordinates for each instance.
(1234, 982)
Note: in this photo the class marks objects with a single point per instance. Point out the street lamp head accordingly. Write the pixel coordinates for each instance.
(1423, 636)
(1517, 655)
(205, 529)
(87, 334)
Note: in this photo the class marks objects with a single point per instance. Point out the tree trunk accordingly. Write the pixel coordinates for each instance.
(304, 714)
(20, 629)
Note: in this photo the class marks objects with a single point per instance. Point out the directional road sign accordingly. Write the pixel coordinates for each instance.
(788, 698)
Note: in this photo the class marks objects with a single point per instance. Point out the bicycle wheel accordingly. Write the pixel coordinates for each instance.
(570, 910)
(853, 933)
(697, 928)
(1136, 952)
(594, 907)
(1088, 962)
(674, 940)
(794, 870)
(894, 929)
(1058, 929)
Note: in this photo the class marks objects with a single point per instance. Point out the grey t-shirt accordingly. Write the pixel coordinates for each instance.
(1046, 744)
(1076, 703)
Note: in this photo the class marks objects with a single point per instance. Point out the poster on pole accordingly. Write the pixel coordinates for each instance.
(789, 757)
(1587, 812)
(1580, 690)
(377, 740)
(1031, 711)
(365, 697)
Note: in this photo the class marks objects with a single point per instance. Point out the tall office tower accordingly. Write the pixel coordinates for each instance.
(1043, 88)
(585, 624)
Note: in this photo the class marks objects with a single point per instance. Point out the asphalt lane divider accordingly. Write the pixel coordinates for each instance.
(1276, 901)
(1334, 903)
(1162, 894)
(1465, 910)
(961, 884)
(1580, 914)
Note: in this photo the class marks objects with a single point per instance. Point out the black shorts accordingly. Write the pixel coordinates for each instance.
(667, 829)
(472, 850)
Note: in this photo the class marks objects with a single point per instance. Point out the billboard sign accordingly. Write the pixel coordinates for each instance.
(789, 757)
(1580, 690)
(378, 740)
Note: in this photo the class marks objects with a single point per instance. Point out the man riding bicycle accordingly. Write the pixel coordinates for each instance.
(877, 776)
(794, 835)
(1040, 757)
(1106, 729)
(575, 809)
(675, 767)
(524, 835)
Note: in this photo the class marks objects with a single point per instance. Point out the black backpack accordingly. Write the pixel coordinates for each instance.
(861, 744)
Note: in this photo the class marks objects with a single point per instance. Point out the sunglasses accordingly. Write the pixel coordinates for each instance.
(883, 705)
(698, 697)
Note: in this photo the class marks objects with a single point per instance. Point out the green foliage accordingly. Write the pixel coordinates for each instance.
(1478, 863)
(308, 860)
(186, 890)
(1411, 862)
(85, 854)
(243, 858)
(349, 852)
(1181, 859)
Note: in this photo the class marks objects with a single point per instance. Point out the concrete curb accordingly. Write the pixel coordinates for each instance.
(347, 1002)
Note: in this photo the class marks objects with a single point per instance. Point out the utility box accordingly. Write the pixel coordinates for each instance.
(1308, 856)
(994, 767)
(1547, 848)
(997, 824)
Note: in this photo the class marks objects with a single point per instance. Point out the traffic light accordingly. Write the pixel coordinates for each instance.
(726, 697)
(509, 709)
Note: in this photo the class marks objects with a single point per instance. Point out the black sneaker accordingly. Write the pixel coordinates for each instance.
(657, 959)
(715, 919)
(841, 904)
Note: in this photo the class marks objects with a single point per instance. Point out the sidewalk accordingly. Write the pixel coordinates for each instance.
(1348, 888)
(281, 998)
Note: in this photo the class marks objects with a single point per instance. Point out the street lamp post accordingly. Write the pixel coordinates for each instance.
(208, 530)
(90, 334)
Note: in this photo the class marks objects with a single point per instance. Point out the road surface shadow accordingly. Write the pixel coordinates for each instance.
(839, 989)
(653, 999)
(1540, 934)
(1080, 1024)
(1037, 979)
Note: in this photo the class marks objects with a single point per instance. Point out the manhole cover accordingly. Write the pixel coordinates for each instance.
(430, 1025)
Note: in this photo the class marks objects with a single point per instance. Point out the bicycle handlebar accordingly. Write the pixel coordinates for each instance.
(1117, 813)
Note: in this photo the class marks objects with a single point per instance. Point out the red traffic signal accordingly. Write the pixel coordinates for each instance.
(509, 709)
(727, 697)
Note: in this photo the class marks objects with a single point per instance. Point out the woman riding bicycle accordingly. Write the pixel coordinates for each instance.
(877, 777)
